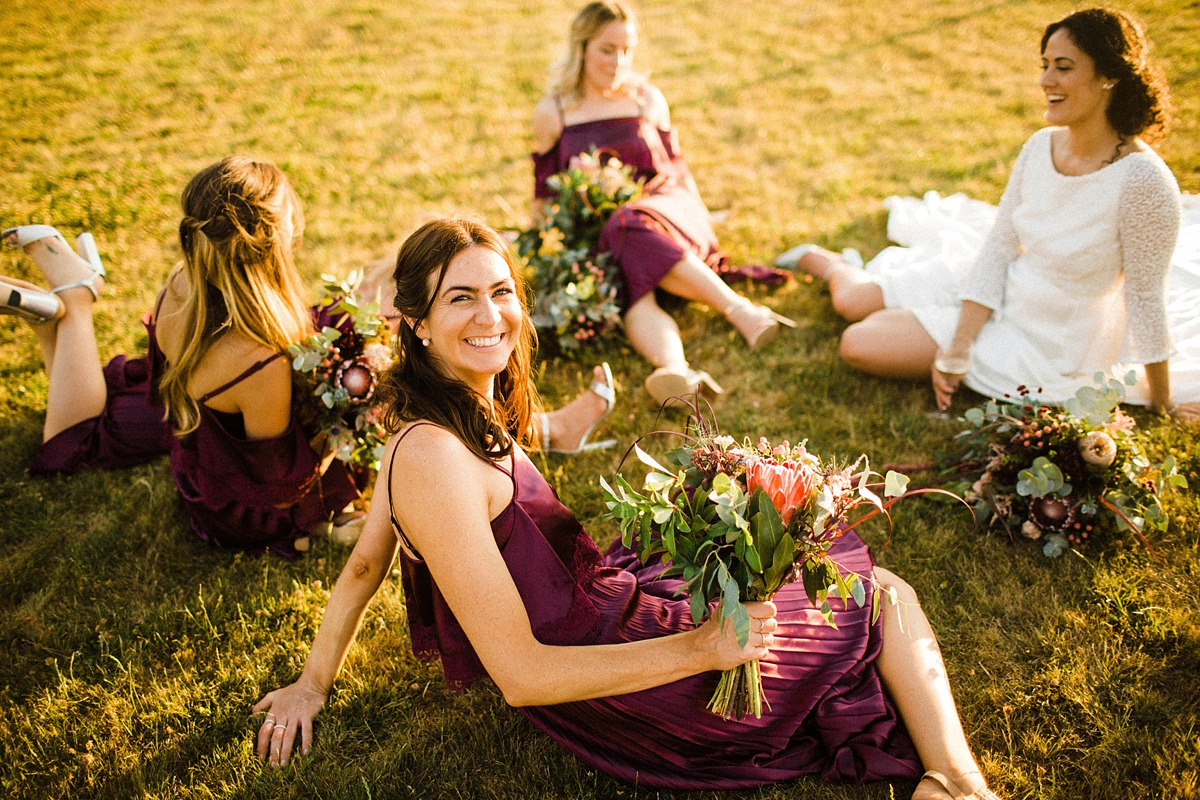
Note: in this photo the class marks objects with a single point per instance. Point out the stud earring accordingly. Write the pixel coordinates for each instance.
(425, 341)
(1108, 86)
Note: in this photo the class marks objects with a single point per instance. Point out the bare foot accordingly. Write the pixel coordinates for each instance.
(820, 263)
(569, 423)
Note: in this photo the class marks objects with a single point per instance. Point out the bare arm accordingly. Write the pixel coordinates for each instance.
(446, 515)
(547, 127)
(293, 707)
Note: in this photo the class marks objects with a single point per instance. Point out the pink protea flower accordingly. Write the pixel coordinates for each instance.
(357, 379)
(1052, 513)
(789, 485)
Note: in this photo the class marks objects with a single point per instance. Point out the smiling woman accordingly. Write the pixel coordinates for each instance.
(599, 651)
(1071, 279)
(664, 240)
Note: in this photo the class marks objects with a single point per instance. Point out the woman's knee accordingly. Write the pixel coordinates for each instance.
(858, 346)
(856, 301)
(888, 581)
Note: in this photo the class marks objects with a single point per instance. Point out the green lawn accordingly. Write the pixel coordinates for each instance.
(130, 652)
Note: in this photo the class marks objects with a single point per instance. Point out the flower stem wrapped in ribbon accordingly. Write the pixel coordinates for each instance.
(738, 521)
(340, 365)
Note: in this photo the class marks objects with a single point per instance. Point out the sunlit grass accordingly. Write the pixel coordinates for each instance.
(130, 653)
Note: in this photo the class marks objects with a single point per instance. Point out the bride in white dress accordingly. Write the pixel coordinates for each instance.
(1069, 276)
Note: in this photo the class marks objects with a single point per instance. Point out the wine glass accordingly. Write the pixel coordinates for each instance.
(955, 368)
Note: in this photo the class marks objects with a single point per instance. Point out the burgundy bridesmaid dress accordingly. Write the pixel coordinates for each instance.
(828, 716)
(256, 495)
(654, 233)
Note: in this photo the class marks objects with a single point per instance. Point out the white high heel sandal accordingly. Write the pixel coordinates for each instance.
(29, 304)
(608, 393)
(85, 245)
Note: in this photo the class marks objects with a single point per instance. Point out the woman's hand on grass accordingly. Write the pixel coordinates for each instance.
(721, 640)
(290, 710)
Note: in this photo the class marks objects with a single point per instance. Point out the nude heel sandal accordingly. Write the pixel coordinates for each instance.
(759, 325)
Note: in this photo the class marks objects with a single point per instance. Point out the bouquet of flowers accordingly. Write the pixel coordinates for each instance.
(341, 364)
(1062, 475)
(574, 288)
(738, 521)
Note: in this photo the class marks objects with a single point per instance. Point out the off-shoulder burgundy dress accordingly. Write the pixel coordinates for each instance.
(829, 715)
(651, 235)
(246, 494)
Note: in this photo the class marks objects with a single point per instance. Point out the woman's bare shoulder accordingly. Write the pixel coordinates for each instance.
(655, 108)
(547, 123)
(431, 468)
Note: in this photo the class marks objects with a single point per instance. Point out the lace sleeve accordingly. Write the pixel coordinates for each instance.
(1148, 226)
(985, 283)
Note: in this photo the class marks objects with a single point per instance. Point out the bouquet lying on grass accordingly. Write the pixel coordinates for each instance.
(574, 288)
(1062, 475)
(738, 521)
(341, 364)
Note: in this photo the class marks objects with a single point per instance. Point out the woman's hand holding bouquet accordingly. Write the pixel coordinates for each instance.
(737, 522)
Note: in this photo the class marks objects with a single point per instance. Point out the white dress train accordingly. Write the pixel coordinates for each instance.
(1084, 274)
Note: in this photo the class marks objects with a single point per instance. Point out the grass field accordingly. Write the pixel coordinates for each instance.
(130, 652)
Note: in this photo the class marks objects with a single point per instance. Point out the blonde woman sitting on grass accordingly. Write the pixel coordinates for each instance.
(215, 388)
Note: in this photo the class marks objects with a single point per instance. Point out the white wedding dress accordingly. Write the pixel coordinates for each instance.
(1084, 274)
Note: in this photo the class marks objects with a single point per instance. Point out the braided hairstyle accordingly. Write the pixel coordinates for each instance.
(416, 389)
(241, 222)
(1116, 43)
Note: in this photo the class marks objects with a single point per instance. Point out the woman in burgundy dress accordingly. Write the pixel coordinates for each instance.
(663, 241)
(215, 389)
(501, 581)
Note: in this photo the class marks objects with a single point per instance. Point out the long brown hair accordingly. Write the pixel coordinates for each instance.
(415, 389)
(237, 257)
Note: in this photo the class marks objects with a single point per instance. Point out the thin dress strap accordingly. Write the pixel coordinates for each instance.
(253, 368)
(388, 489)
(562, 115)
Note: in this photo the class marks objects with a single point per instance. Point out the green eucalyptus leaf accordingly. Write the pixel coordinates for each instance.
(857, 590)
(895, 484)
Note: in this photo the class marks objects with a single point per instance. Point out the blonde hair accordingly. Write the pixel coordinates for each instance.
(237, 257)
(566, 75)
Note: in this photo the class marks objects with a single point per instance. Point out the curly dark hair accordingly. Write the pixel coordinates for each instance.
(1116, 43)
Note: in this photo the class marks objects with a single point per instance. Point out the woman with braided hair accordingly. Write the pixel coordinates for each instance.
(215, 388)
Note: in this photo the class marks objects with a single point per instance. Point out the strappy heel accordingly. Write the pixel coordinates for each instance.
(670, 388)
(759, 325)
(85, 246)
(33, 305)
(608, 393)
(952, 789)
